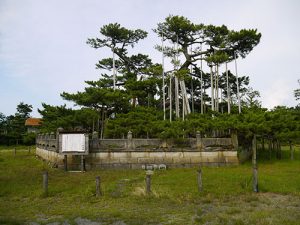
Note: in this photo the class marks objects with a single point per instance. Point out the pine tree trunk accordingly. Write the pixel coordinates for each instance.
(217, 88)
(228, 91)
(102, 123)
(170, 98)
(201, 84)
(212, 89)
(176, 97)
(237, 85)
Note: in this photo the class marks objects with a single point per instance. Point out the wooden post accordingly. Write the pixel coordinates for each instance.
(45, 183)
(199, 179)
(148, 183)
(65, 163)
(270, 151)
(29, 148)
(98, 186)
(82, 163)
(15, 151)
(254, 164)
(291, 150)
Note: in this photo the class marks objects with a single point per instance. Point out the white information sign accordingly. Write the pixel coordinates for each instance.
(73, 143)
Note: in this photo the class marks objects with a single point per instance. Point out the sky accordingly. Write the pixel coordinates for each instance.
(43, 49)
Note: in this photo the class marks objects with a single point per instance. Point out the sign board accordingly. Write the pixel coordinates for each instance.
(73, 143)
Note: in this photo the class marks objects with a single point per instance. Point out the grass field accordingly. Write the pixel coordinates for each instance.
(227, 196)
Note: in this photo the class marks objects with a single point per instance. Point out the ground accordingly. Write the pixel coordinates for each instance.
(227, 196)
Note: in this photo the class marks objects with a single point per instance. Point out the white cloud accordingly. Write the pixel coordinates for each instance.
(277, 93)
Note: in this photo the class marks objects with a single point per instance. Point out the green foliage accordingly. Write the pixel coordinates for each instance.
(140, 121)
(29, 138)
(69, 119)
(23, 110)
(280, 123)
(97, 98)
(12, 128)
(115, 34)
(242, 42)
(284, 123)
(179, 26)
(218, 57)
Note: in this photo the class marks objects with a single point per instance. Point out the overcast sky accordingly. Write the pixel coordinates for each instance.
(43, 49)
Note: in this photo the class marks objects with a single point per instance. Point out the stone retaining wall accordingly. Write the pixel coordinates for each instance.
(136, 153)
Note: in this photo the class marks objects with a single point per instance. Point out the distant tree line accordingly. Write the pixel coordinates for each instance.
(12, 128)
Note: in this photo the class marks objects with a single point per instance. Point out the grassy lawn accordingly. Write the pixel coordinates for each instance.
(227, 196)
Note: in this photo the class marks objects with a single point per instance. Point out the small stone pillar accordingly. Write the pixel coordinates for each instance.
(234, 139)
(95, 140)
(82, 162)
(129, 140)
(98, 186)
(59, 130)
(47, 143)
(37, 139)
(129, 135)
(148, 184)
(45, 183)
(52, 136)
(198, 141)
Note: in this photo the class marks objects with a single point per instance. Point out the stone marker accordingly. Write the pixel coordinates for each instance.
(199, 179)
(45, 183)
(98, 186)
(148, 183)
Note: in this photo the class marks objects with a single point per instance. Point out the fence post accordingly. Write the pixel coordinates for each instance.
(148, 183)
(98, 186)
(82, 163)
(270, 150)
(45, 183)
(29, 149)
(254, 164)
(15, 151)
(291, 150)
(65, 163)
(199, 179)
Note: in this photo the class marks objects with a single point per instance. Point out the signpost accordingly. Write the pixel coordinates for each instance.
(73, 143)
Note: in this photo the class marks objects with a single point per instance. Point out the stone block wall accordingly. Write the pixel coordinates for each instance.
(134, 153)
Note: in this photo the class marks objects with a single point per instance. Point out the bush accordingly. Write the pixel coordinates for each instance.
(29, 139)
